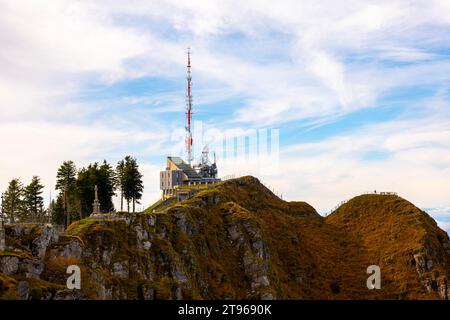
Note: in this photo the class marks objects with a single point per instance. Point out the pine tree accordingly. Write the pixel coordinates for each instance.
(120, 176)
(85, 180)
(107, 186)
(66, 184)
(101, 176)
(133, 185)
(33, 202)
(12, 200)
(56, 210)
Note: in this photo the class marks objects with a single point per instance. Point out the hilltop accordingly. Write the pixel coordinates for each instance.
(235, 240)
(403, 240)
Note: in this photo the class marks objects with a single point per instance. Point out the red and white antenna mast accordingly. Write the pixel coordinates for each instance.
(189, 110)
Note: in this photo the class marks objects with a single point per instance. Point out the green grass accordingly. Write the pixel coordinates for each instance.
(153, 206)
(77, 226)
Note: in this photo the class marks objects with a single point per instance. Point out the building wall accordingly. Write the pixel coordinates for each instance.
(171, 165)
(169, 179)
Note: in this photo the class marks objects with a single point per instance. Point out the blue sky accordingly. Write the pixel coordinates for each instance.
(358, 91)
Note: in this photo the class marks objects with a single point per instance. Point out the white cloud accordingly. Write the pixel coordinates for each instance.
(444, 225)
(442, 213)
(415, 163)
(333, 63)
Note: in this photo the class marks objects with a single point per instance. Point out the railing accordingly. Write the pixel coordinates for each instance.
(381, 193)
(273, 190)
(228, 177)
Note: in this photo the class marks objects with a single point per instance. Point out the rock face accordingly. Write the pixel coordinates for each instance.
(234, 241)
(48, 236)
(430, 278)
(9, 265)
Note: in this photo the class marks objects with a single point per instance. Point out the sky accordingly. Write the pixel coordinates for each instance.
(352, 96)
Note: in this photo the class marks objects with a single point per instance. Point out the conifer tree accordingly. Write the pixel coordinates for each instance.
(33, 202)
(107, 182)
(103, 177)
(120, 179)
(66, 184)
(132, 182)
(12, 200)
(56, 210)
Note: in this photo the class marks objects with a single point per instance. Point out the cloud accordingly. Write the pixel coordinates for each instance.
(414, 163)
(296, 64)
(444, 225)
(40, 148)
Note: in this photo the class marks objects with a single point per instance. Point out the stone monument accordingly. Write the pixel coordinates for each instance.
(2, 229)
(96, 204)
(2, 236)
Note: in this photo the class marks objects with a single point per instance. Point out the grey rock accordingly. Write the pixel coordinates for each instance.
(178, 293)
(182, 222)
(162, 234)
(443, 288)
(34, 267)
(72, 249)
(147, 245)
(31, 275)
(267, 296)
(234, 233)
(23, 290)
(100, 281)
(67, 294)
(135, 269)
(101, 292)
(255, 257)
(179, 276)
(48, 236)
(260, 282)
(121, 269)
(148, 293)
(9, 265)
(421, 264)
(107, 256)
(18, 231)
(151, 220)
(141, 235)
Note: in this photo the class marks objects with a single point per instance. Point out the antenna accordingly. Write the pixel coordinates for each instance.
(189, 110)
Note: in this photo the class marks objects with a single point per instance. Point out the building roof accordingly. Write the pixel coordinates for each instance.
(186, 168)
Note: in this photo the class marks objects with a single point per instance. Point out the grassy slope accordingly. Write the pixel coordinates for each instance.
(388, 230)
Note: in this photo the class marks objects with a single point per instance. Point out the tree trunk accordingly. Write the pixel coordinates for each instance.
(128, 205)
(134, 205)
(36, 209)
(67, 207)
(121, 200)
(80, 211)
(13, 208)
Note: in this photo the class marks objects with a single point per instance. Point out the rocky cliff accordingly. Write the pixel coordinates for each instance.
(234, 241)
